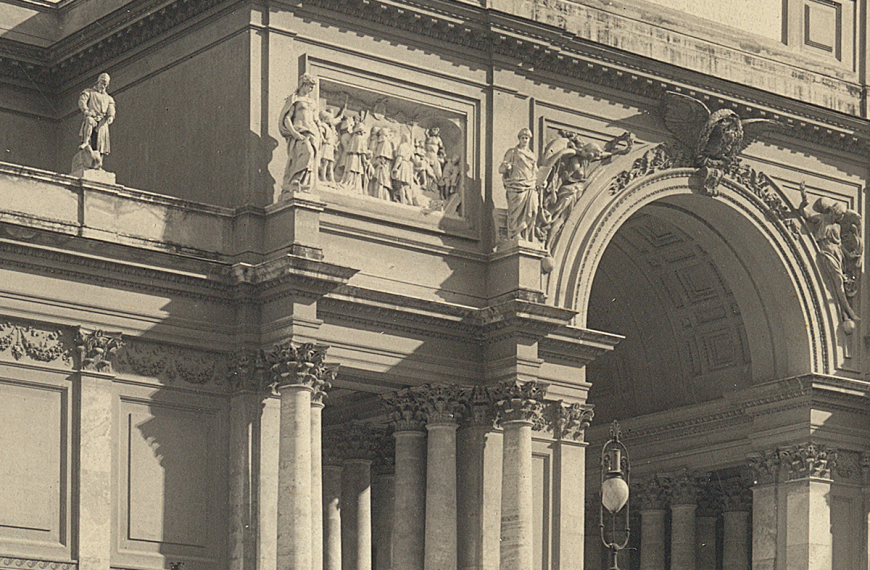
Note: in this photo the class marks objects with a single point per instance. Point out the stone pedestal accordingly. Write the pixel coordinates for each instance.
(440, 529)
(356, 515)
(294, 478)
(652, 539)
(332, 517)
(94, 175)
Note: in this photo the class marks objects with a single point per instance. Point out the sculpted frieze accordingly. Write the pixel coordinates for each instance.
(387, 148)
(171, 364)
(21, 342)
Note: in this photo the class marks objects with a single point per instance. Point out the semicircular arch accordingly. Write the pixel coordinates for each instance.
(788, 322)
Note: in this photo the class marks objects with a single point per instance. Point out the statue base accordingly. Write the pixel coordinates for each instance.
(94, 175)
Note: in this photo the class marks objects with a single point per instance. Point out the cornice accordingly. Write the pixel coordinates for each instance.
(538, 48)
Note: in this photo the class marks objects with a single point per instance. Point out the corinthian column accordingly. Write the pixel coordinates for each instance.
(652, 501)
(407, 419)
(441, 405)
(296, 373)
(736, 504)
(683, 504)
(520, 407)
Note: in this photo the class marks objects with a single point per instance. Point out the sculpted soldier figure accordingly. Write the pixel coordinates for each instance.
(298, 123)
(98, 110)
(519, 171)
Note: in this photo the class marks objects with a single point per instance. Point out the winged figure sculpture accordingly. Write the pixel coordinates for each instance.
(715, 139)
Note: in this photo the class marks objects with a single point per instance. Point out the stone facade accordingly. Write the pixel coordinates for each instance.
(375, 278)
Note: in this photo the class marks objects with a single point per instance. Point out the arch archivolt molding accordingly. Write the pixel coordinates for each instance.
(601, 211)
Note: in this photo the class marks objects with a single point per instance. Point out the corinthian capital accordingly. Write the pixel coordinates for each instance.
(441, 403)
(405, 410)
(764, 467)
(520, 401)
(808, 460)
(477, 406)
(568, 421)
(649, 493)
(300, 366)
(247, 371)
(97, 350)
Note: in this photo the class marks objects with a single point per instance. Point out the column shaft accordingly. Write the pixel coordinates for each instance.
(735, 547)
(267, 492)
(683, 537)
(570, 492)
(516, 497)
(440, 529)
(331, 517)
(316, 487)
(356, 515)
(383, 495)
(764, 527)
(479, 458)
(243, 467)
(652, 539)
(294, 479)
(706, 542)
(410, 500)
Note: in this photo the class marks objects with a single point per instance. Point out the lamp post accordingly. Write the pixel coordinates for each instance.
(615, 471)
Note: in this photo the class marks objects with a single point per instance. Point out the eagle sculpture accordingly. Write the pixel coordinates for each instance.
(715, 139)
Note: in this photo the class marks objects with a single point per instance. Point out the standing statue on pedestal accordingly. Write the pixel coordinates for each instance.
(298, 123)
(837, 232)
(98, 112)
(519, 172)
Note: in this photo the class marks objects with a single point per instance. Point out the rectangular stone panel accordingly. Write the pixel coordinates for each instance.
(33, 473)
(172, 482)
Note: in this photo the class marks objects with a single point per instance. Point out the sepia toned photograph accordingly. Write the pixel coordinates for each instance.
(434, 285)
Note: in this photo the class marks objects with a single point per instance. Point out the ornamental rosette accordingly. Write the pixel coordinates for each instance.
(405, 410)
(568, 421)
(300, 366)
(97, 350)
(520, 401)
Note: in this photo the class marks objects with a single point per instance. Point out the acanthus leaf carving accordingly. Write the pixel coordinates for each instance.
(97, 350)
(247, 371)
(441, 403)
(568, 421)
(808, 460)
(301, 365)
(520, 401)
(405, 410)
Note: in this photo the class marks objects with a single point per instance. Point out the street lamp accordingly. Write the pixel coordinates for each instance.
(615, 478)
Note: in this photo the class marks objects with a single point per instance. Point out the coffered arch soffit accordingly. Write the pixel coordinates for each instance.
(778, 291)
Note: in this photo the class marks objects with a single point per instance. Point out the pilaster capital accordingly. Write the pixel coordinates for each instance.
(97, 350)
(440, 403)
(520, 401)
(735, 495)
(247, 371)
(478, 406)
(764, 467)
(302, 365)
(808, 460)
(649, 493)
(683, 488)
(405, 410)
(352, 440)
(568, 421)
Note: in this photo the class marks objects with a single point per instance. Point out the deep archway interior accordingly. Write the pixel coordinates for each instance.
(703, 303)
